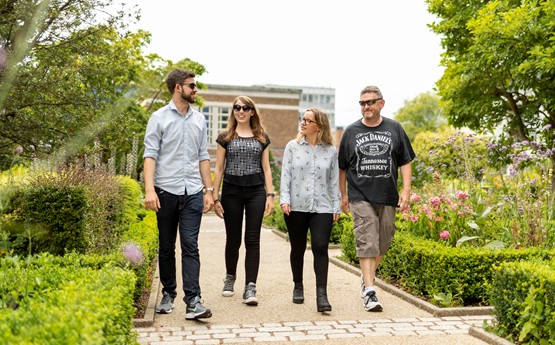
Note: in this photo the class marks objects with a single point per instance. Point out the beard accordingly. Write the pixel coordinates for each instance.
(188, 98)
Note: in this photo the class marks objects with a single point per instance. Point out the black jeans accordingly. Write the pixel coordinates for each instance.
(239, 202)
(320, 225)
(183, 212)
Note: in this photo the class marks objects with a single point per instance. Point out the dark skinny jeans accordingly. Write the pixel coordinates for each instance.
(183, 212)
(238, 202)
(320, 225)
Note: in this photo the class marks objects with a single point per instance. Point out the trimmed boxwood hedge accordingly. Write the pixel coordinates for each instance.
(427, 268)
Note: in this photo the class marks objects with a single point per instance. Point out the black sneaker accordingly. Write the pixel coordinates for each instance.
(166, 306)
(229, 282)
(371, 302)
(195, 310)
(249, 296)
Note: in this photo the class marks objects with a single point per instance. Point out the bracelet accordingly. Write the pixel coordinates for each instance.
(216, 201)
(270, 194)
(209, 189)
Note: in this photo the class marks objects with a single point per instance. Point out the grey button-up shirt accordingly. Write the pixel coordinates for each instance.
(310, 178)
(178, 143)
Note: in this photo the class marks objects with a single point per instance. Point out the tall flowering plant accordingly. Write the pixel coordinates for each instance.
(446, 217)
(493, 192)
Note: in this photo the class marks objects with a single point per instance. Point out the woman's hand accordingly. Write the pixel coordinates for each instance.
(218, 209)
(286, 208)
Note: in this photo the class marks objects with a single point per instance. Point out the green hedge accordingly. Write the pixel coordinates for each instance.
(523, 294)
(43, 303)
(429, 268)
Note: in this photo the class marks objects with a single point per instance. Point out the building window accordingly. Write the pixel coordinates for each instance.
(216, 121)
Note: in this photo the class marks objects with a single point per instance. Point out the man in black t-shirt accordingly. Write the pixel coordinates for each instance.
(372, 151)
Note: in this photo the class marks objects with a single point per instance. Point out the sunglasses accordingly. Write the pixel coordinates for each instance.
(238, 107)
(369, 102)
(192, 86)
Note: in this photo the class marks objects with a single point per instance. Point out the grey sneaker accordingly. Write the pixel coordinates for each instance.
(249, 296)
(195, 310)
(362, 287)
(166, 306)
(371, 302)
(229, 282)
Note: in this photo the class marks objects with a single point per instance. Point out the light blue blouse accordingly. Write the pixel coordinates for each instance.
(310, 178)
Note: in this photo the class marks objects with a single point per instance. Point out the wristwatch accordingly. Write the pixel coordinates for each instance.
(211, 189)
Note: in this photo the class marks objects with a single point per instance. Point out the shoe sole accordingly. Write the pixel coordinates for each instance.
(204, 315)
(324, 309)
(251, 301)
(164, 311)
(298, 300)
(227, 293)
(376, 308)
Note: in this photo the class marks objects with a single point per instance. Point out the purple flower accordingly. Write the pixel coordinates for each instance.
(444, 234)
(19, 149)
(548, 126)
(133, 253)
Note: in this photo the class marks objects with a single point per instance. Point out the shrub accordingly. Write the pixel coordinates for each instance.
(64, 305)
(523, 294)
(428, 268)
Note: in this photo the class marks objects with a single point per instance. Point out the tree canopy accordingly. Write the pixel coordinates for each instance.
(422, 113)
(500, 66)
(74, 78)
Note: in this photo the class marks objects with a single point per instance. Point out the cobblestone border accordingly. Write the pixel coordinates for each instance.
(307, 330)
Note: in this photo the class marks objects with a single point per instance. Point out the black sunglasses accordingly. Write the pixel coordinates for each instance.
(369, 102)
(192, 86)
(238, 107)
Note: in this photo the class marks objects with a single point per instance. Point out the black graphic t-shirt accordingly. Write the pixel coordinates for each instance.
(371, 157)
(243, 160)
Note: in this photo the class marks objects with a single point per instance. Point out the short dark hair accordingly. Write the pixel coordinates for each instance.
(178, 76)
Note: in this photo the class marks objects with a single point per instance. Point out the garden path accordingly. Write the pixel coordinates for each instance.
(277, 320)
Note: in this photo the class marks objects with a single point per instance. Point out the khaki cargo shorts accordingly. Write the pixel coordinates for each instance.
(374, 228)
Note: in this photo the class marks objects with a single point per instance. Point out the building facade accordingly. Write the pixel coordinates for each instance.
(278, 109)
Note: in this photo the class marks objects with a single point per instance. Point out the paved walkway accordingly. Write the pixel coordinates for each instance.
(276, 319)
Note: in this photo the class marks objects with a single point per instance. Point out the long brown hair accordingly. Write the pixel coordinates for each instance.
(255, 123)
(321, 118)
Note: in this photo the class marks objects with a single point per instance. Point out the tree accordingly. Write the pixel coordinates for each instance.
(499, 66)
(422, 113)
(70, 69)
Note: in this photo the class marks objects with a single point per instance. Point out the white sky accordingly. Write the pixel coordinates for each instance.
(345, 45)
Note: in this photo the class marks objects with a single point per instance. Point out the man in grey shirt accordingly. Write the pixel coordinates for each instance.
(176, 168)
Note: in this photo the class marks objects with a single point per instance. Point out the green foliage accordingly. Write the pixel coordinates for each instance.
(523, 294)
(421, 114)
(50, 306)
(347, 240)
(55, 217)
(499, 65)
(429, 268)
(456, 155)
(275, 220)
(144, 235)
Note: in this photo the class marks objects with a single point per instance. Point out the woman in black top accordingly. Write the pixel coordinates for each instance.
(243, 160)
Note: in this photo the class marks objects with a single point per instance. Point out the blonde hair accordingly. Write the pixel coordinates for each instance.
(324, 134)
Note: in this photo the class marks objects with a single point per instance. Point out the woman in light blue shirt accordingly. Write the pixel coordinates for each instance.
(309, 199)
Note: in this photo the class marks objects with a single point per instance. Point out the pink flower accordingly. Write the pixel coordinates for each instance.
(444, 234)
(435, 201)
(414, 219)
(461, 195)
(415, 197)
(133, 253)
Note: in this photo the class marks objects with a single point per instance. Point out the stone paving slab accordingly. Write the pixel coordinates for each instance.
(277, 320)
